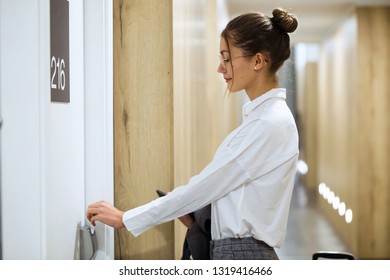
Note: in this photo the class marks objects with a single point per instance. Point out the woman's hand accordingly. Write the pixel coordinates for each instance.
(104, 212)
(187, 220)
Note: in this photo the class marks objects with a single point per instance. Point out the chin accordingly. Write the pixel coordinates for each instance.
(234, 90)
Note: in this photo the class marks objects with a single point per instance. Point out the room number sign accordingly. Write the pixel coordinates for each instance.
(59, 51)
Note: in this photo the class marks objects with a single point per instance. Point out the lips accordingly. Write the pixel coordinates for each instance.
(227, 79)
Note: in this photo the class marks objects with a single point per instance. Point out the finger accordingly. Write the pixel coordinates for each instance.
(92, 221)
(89, 216)
(94, 209)
(91, 212)
(95, 205)
(96, 214)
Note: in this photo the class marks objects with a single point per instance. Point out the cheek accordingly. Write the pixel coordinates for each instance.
(239, 77)
(236, 84)
(244, 74)
(240, 81)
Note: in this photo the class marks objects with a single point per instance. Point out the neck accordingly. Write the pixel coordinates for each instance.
(261, 89)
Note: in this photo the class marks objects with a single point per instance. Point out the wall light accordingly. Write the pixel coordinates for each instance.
(302, 167)
(335, 201)
(342, 209)
(331, 197)
(348, 216)
(321, 188)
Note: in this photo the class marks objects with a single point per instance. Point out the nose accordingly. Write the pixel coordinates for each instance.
(221, 68)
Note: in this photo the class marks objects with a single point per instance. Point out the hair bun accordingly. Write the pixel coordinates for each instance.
(284, 20)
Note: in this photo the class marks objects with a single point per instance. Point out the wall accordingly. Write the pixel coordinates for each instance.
(306, 65)
(309, 134)
(336, 120)
(21, 152)
(373, 123)
(353, 131)
(143, 119)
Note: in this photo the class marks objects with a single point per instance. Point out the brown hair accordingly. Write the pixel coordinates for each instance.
(255, 32)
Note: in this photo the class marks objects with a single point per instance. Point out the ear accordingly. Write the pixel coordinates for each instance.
(260, 61)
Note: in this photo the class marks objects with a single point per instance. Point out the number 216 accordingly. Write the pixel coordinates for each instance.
(59, 65)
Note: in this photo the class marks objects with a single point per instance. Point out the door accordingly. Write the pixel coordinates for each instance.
(56, 157)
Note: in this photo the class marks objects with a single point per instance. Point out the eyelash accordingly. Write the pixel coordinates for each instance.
(226, 60)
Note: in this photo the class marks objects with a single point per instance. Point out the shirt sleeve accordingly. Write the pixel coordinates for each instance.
(217, 179)
(247, 155)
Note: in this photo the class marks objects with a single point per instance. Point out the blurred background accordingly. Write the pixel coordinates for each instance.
(338, 90)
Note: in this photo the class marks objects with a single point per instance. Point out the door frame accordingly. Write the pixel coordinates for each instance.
(99, 143)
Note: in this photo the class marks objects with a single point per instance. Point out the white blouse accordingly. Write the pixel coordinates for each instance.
(249, 182)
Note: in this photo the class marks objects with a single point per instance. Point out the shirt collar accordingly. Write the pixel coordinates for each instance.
(252, 105)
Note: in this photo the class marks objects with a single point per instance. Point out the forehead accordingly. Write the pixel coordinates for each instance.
(224, 48)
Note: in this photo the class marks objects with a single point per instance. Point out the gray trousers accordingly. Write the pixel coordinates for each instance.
(246, 248)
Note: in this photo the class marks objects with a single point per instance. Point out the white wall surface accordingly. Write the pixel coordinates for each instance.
(21, 134)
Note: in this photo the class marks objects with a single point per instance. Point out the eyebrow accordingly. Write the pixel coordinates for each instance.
(224, 51)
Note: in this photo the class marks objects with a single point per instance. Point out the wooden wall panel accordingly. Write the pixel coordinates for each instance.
(374, 131)
(309, 132)
(143, 120)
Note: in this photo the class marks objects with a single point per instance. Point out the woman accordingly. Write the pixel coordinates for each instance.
(249, 182)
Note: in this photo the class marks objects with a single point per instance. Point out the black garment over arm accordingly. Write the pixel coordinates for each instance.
(198, 237)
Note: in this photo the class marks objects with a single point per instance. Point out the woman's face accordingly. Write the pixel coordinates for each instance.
(236, 68)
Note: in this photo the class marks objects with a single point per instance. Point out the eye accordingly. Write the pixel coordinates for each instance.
(226, 60)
